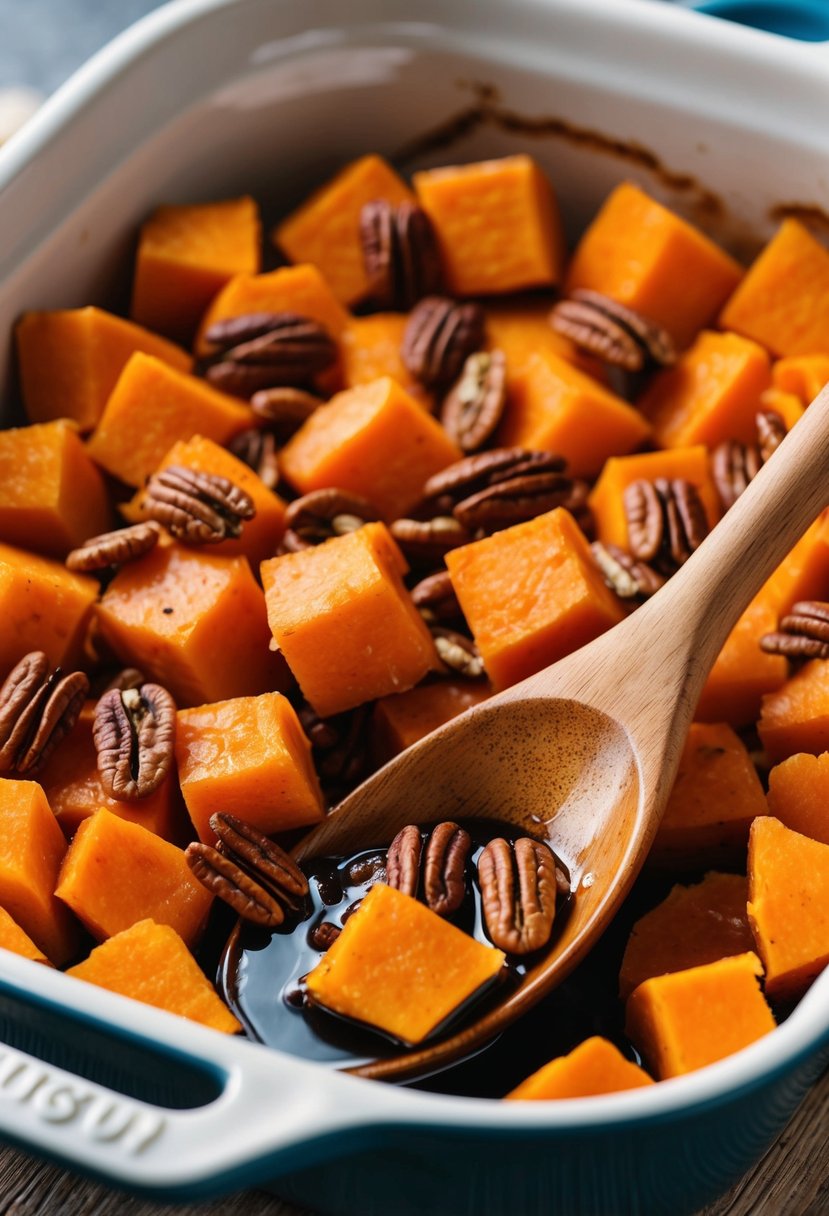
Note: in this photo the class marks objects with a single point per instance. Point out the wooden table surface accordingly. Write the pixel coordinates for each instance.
(791, 1180)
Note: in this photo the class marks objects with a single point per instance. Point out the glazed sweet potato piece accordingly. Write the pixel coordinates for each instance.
(186, 254)
(596, 1066)
(400, 967)
(531, 595)
(344, 621)
(32, 848)
(117, 873)
(70, 361)
(798, 794)
(497, 222)
(795, 717)
(399, 720)
(43, 606)
(801, 375)
(251, 758)
(13, 938)
(638, 252)
(692, 926)
(687, 1019)
(150, 963)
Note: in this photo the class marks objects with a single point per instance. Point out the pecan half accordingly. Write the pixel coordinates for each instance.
(323, 936)
(513, 501)
(318, 516)
(114, 548)
(442, 863)
(428, 541)
(268, 350)
(284, 409)
(458, 653)
(196, 508)
(803, 633)
(435, 598)
(611, 331)
(403, 860)
(134, 733)
(38, 708)
(439, 336)
(666, 521)
(518, 893)
(339, 743)
(629, 578)
(257, 449)
(475, 404)
(400, 254)
(734, 464)
(771, 431)
(127, 677)
(466, 477)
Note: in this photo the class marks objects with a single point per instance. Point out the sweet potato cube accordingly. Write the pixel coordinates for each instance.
(531, 595)
(607, 498)
(712, 393)
(52, 497)
(783, 301)
(13, 938)
(685, 1020)
(70, 361)
(596, 1066)
(716, 795)
(497, 223)
(152, 407)
(325, 230)
(117, 873)
(400, 967)
(692, 926)
(194, 622)
(638, 252)
(789, 406)
(798, 794)
(801, 375)
(350, 588)
(374, 440)
(795, 717)
(549, 404)
(43, 606)
(251, 758)
(371, 350)
(32, 848)
(151, 964)
(186, 254)
(399, 720)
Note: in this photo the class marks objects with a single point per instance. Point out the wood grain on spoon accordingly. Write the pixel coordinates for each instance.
(584, 753)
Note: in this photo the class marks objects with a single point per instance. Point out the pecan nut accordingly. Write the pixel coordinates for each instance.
(339, 743)
(323, 936)
(518, 893)
(771, 431)
(803, 633)
(196, 508)
(267, 350)
(438, 338)
(428, 541)
(466, 477)
(323, 514)
(400, 254)
(257, 449)
(474, 406)
(458, 653)
(284, 409)
(440, 868)
(114, 548)
(734, 464)
(134, 733)
(629, 578)
(513, 501)
(666, 521)
(435, 598)
(37, 710)
(613, 332)
(403, 860)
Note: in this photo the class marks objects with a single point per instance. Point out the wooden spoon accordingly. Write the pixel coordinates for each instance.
(584, 753)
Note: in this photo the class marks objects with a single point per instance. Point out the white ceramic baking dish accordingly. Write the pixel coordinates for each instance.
(210, 98)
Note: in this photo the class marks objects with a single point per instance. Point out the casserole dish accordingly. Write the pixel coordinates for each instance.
(214, 98)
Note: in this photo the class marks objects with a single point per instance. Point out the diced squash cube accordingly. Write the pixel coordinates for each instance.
(685, 1020)
(400, 967)
(399, 720)
(374, 440)
(783, 301)
(14, 939)
(52, 497)
(194, 622)
(117, 873)
(607, 499)
(151, 964)
(325, 230)
(497, 222)
(70, 361)
(799, 794)
(712, 393)
(596, 1066)
(795, 717)
(152, 407)
(802, 375)
(248, 757)
(692, 926)
(186, 254)
(43, 606)
(531, 595)
(638, 252)
(344, 621)
(716, 795)
(32, 848)
(371, 350)
(788, 405)
(788, 906)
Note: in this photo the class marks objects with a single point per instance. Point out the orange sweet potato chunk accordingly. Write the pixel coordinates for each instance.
(52, 497)
(788, 906)
(715, 797)
(70, 361)
(687, 1019)
(32, 848)
(399, 720)
(596, 1066)
(783, 301)
(151, 964)
(43, 606)
(186, 254)
(14, 939)
(117, 873)
(325, 229)
(798, 794)
(400, 967)
(152, 407)
(344, 621)
(251, 758)
(801, 375)
(531, 595)
(788, 405)
(374, 440)
(193, 622)
(692, 926)
(607, 499)
(795, 717)
(638, 252)
(712, 393)
(497, 223)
